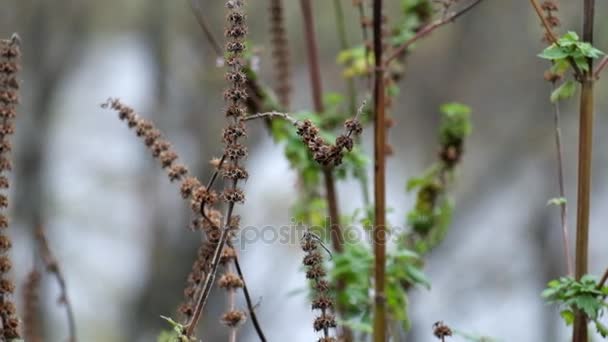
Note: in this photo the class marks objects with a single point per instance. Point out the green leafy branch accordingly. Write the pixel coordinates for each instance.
(585, 295)
(432, 212)
(569, 51)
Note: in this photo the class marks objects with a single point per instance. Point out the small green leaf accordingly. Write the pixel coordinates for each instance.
(557, 201)
(418, 277)
(568, 316)
(564, 91)
(601, 329)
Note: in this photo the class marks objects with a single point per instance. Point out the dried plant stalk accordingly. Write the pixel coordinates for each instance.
(280, 52)
(10, 54)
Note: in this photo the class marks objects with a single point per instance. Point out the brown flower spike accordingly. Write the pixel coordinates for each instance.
(9, 99)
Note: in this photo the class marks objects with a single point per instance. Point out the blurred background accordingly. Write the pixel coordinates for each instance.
(120, 230)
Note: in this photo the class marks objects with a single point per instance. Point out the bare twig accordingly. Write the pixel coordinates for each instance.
(603, 280)
(271, 115)
(210, 277)
(541, 16)
(52, 267)
(602, 64)
(200, 18)
(250, 306)
(430, 28)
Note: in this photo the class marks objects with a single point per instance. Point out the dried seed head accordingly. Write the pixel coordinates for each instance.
(325, 321)
(230, 281)
(322, 302)
(233, 196)
(354, 126)
(441, 331)
(189, 185)
(235, 151)
(177, 172)
(233, 318)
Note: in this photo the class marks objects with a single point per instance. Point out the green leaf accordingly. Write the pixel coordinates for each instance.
(568, 316)
(417, 276)
(557, 201)
(454, 109)
(601, 329)
(554, 52)
(564, 91)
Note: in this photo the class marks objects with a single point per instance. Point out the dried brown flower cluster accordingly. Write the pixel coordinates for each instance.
(550, 8)
(323, 152)
(9, 99)
(31, 300)
(280, 52)
(313, 261)
(441, 331)
(234, 151)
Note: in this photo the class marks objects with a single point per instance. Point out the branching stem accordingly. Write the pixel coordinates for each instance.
(445, 19)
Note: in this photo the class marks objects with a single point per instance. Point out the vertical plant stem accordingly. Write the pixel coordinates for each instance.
(337, 239)
(350, 84)
(344, 45)
(317, 94)
(584, 170)
(379, 230)
(562, 191)
(250, 306)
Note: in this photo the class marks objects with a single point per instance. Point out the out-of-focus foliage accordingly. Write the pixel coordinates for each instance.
(583, 295)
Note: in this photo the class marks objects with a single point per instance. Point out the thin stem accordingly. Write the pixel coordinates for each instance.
(198, 13)
(584, 171)
(250, 305)
(317, 97)
(603, 280)
(313, 55)
(210, 277)
(317, 91)
(270, 115)
(379, 229)
(344, 45)
(53, 267)
(430, 28)
(231, 307)
(603, 63)
(541, 16)
(365, 35)
(552, 36)
(562, 191)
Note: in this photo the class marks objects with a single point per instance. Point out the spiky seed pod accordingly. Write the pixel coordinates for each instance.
(233, 318)
(313, 261)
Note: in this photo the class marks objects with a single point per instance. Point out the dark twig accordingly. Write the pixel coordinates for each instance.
(198, 13)
(430, 28)
(603, 280)
(379, 229)
(250, 306)
(52, 267)
(602, 64)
